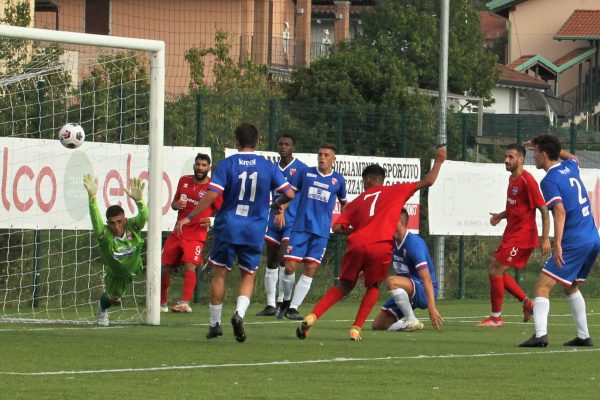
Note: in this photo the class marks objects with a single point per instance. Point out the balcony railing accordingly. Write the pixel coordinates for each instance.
(583, 97)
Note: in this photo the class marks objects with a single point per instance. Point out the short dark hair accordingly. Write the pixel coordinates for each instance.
(289, 136)
(548, 144)
(202, 156)
(404, 216)
(519, 148)
(374, 170)
(328, 146)
(114, 211)
(246, 135)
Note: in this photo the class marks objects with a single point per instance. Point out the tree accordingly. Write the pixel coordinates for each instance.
(399, 49)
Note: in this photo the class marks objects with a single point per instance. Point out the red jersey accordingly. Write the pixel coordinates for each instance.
(192, 192)
(522, 198)
(374, 214)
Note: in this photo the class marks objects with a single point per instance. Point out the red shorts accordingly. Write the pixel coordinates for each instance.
(179, 251)
(515, 257)
(373, 260)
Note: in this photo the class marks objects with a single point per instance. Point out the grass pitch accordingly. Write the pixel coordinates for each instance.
(175, 360)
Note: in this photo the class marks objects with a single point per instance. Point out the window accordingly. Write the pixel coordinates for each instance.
(97, 15)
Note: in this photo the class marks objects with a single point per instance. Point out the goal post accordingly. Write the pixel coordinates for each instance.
(156, 49)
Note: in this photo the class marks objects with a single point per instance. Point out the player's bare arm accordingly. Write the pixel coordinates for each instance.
(178, 204)
(559, 214)
(545, 242)
(497, 217)
(429, 179)
(434, 316)
(565, 155)
(278, 204)
(342, 229)
(202, 205)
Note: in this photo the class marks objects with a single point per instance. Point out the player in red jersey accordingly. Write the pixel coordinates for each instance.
(370, 222)
(186, 247)
(520, 235)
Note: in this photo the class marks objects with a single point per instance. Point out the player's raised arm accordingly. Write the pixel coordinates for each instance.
(91, 186)
(565, 155)
(136, 192)
(429, 179)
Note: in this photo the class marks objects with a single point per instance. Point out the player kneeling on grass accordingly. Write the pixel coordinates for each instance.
(413, 286)
(120, 242)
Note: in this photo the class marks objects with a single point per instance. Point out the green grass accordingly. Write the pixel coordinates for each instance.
(175, 360)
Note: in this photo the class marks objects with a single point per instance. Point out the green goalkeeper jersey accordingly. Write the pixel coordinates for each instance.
(121, 255)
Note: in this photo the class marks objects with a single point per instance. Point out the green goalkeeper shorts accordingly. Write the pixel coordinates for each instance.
(117, 285)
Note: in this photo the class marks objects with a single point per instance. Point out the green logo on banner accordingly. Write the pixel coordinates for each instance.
(75, 195)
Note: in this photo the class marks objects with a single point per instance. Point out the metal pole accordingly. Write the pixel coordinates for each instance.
(199, 120)
(439, 241)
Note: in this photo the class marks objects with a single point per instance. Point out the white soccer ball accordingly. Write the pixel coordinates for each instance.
(71, 135)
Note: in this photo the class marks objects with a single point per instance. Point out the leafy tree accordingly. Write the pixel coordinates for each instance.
(409, 29)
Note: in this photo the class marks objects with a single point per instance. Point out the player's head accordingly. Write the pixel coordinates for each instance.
(402, 226)
(115, 219)
(546, 148)
(246, 136)
(201, 166)
(373, 174)
(326, 157)
(286, 145)
(514, 157)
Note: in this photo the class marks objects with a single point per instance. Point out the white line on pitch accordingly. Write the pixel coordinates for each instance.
(287, 362)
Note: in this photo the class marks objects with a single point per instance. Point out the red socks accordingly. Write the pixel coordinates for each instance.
(165, 279)
(332, 296)
(496, 293)
(366, 305)
(513, 287)
(189, 284)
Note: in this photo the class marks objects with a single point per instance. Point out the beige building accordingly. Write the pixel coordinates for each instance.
(558, 42)
(284, 34)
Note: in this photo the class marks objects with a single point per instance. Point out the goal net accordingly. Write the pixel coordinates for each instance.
(50, 268)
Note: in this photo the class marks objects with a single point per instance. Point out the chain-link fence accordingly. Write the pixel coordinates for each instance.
(375, 131)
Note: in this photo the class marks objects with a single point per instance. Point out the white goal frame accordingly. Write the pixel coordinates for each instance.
(156, 126)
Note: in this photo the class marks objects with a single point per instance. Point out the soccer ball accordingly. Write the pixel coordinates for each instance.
(71, 135)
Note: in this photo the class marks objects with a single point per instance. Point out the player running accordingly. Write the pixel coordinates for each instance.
(186, 248)
(119, 241)
(370, 220)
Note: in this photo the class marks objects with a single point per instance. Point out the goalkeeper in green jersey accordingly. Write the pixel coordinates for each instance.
(120, 242)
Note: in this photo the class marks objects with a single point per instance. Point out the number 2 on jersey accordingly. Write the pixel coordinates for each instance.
(585, 211)
(253, 178)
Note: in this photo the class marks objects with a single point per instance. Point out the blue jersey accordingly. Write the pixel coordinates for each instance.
(245, 180)
(291, 172)
(563, 185)
(318, 194)
(411, 256)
